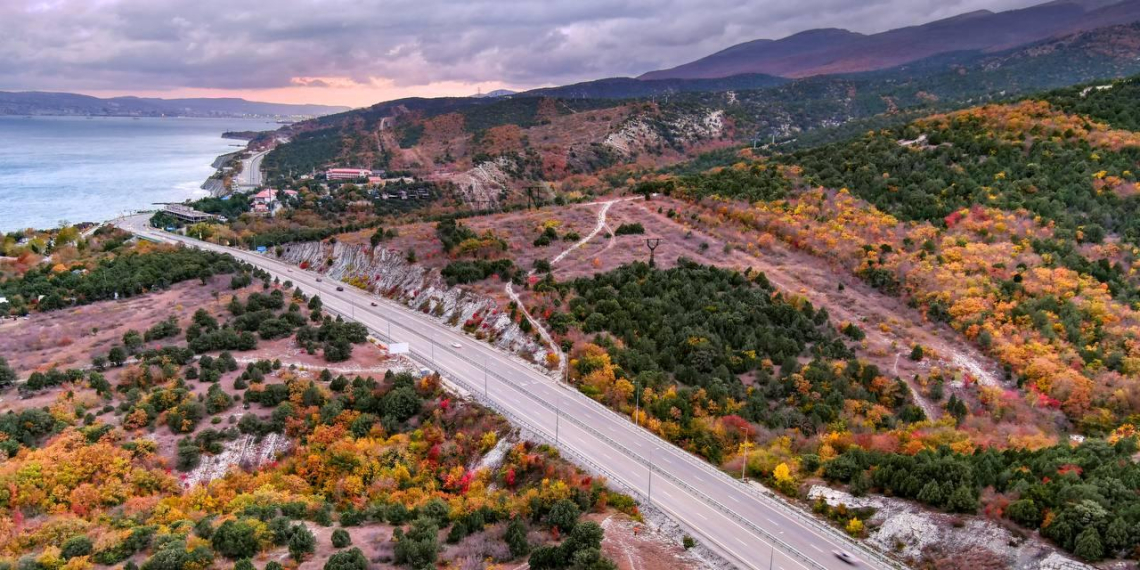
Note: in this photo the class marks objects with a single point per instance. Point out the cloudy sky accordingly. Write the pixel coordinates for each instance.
(358, 52)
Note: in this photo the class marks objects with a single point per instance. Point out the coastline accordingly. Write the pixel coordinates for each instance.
(216, 183)
(46, 185)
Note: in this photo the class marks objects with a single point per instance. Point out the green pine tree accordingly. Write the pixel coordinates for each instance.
(931, 494)
(1088, 545)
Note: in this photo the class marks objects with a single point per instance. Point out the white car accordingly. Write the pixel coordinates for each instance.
(847, 557)
(456, 345)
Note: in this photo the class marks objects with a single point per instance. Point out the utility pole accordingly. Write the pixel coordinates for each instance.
(652, 244)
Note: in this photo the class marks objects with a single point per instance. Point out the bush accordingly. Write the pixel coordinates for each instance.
(458, 272)
(301, 542)
(7, 375)
(340, 538)
(235, 540)
(688, 542)
(515, 537)
(188, 454)
(564, 515)
(629, 229)
(419, 547)
(347, 560)
(581, 549)
(76, 546)
(174, 556)
(164, 329)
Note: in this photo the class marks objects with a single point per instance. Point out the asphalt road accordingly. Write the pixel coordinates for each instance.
(250, 175)
(745, 524)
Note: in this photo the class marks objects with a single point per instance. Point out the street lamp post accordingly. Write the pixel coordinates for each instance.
(637, 406)
(649, 494)
(743, 468)
(484, 375)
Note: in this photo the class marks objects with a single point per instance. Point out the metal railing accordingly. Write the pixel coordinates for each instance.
(475, 391)
(769, 500)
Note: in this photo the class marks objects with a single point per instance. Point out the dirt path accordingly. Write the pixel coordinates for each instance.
(891, 327)
(599, 225)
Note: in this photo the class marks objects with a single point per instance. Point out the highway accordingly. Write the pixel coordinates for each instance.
(749, 526)
(250, 175)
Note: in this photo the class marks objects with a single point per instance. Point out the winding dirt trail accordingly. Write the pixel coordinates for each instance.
(510, 290)
(891, 327)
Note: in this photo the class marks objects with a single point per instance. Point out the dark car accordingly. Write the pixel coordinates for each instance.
(339, 288)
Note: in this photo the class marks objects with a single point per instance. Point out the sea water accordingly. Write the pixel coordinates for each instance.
(77, 169)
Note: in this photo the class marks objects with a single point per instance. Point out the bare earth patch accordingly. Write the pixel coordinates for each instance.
(68, 338)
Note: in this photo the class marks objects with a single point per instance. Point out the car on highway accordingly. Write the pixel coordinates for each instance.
(847, 557)
(456, 345)
(318, 279)
(373, 303)
(339, 288)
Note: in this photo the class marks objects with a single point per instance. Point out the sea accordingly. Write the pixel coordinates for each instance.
(56, 170)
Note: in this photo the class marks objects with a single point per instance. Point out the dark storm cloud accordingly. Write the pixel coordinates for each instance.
(260, 44)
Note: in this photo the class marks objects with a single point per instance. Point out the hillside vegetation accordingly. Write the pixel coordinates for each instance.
(1013, 224)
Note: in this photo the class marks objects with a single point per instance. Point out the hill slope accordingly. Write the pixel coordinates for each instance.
(548, 138)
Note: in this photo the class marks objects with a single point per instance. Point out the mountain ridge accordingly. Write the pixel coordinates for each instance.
(826, 51)
(56, 103)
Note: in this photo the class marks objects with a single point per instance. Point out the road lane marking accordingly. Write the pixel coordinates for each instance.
(583, 409)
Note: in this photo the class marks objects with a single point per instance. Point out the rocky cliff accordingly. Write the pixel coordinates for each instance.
(386, 272)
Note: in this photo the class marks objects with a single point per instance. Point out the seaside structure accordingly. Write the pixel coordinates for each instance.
(347, 173)
(188, 214)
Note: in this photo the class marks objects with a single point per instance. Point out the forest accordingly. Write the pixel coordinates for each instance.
(1012, 223)
(48, 287)
(704, 351)
(1112, 102)
(111, 499)
(1024, 156)
(86, 484)
(1079, 497)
